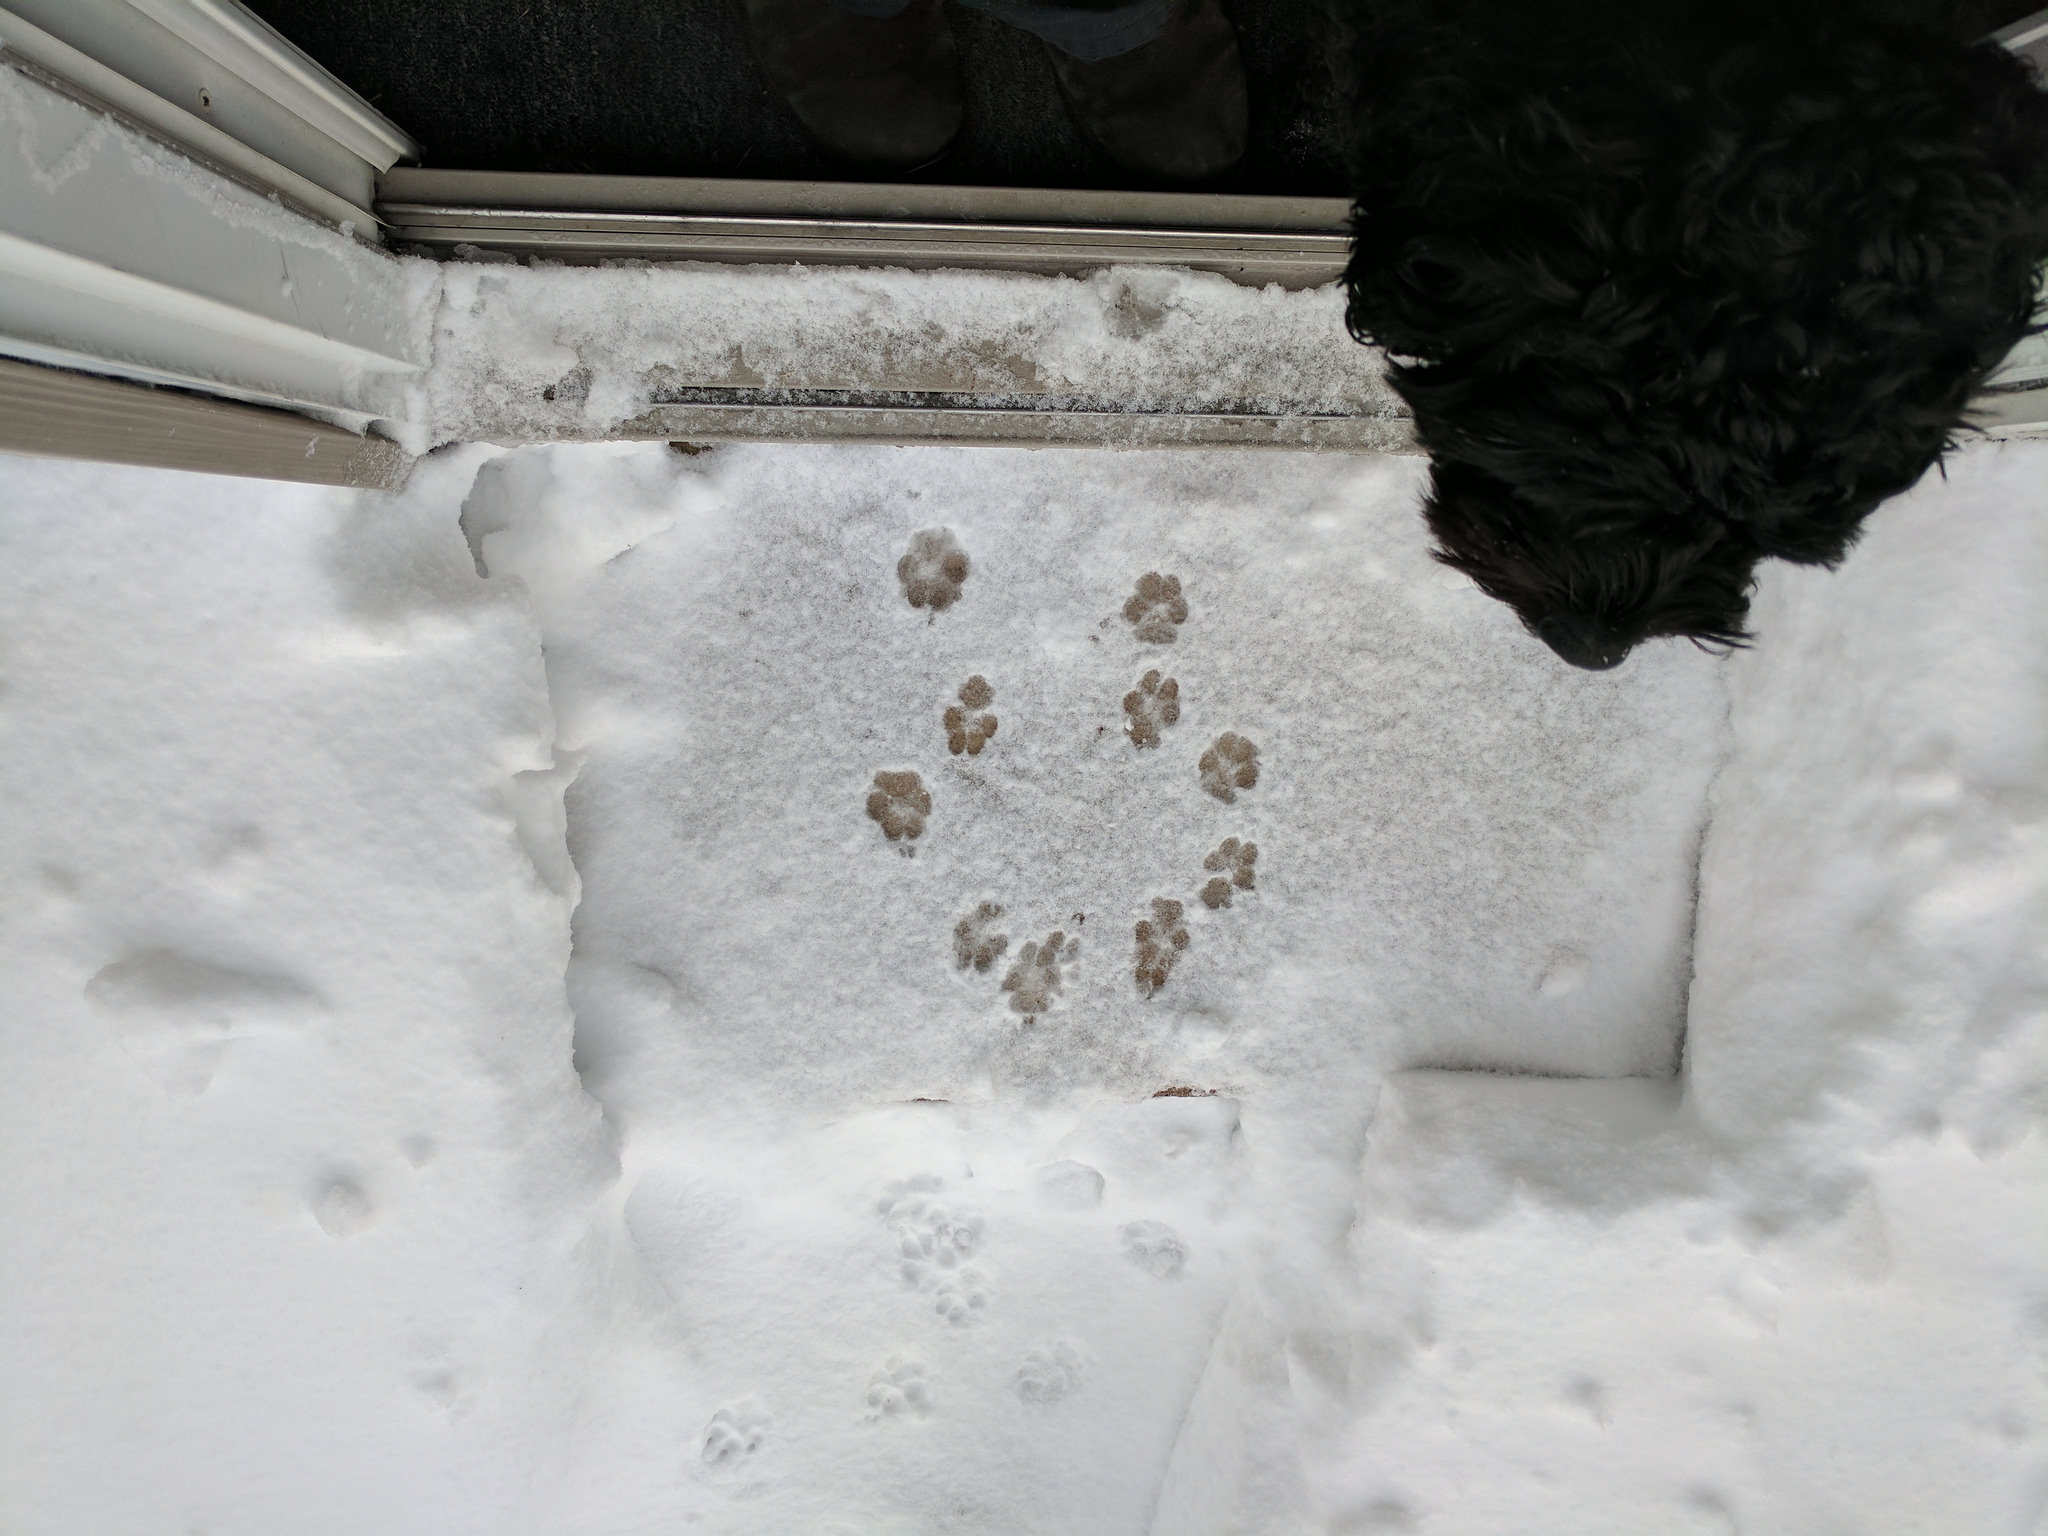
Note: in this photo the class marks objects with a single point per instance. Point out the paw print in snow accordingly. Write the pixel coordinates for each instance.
(1154, 1247)
(733, 1433)
(973, 944)
(1156, 609)
(934, 1243)
(932, 569)
(1230, 765)
(965, 731)
(1047, 1375)
(1235, 860)
(961, 1298)
(898, 1391)
(1034, 981)
(1161, 938)
(1153, 703)
(900, 802)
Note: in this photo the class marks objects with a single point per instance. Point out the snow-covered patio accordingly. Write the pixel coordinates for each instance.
(473, 1061)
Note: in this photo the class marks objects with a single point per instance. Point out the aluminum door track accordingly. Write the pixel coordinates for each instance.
(1297, 242)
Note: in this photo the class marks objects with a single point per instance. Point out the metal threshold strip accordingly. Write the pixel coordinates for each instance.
(987, 426)
(1296, 242)
(1293, 261)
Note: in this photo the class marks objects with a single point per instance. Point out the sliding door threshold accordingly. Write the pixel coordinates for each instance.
(954, 426)
(1297, 242)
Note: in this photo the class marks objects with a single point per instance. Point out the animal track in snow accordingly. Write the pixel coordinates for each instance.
(961, 1298)
(933, 569)
(1235, 861)
(440, 1387)
(974, 944)
(733, 1434)
(1155, 702)
(1564, 975)
(1229, 765)
(1161, 938)
(900, 803)
(934, 1243)
(177, 1014)
(1156, 610)
(966, 731)
(1047, 1375)
(1154, 1247)
(898, 1390)
(1070, 1185)
(1034, 980)
(341, 1207)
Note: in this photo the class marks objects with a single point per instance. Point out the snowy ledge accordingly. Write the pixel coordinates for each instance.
(1129, 357)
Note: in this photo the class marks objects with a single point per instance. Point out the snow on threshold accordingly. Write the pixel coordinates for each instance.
(1049, 935)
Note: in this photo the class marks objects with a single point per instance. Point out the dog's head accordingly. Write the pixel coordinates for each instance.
(1673, 288)
(1592, 597)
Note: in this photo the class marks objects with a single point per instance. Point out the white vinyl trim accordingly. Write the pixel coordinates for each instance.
(24, 263)
(210, 60)
(173, 124)
(68, 311)
(93, 363)
(244, 42)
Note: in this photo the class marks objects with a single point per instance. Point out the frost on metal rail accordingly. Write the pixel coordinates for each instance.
(1297, 242)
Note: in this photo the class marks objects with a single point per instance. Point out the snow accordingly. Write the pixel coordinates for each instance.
(767, 992)
(1802, 1291)
(473, 1062)
(529, 353)
(291, 1132)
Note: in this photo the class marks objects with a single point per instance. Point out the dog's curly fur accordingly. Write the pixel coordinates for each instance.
(1671, 286)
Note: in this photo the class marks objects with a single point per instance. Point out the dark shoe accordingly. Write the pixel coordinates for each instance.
(1172, 109)
(879, 92)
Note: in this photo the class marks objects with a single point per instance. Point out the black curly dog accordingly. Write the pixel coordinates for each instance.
(1674, 285)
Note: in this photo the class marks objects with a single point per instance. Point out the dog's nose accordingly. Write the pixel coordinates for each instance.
(1582, 641)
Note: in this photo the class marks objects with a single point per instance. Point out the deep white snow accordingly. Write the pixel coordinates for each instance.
(343, 1192)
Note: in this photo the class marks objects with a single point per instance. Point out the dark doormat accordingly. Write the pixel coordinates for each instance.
(670, 88)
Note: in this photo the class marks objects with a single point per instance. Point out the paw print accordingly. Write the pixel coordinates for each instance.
(934, 1242)
(1047, 1375)
(900, 802)
(898, 1391)
(932, 1235)
(1153, 703)
(1161, 938)
(1230, 765)
(961, 1298)
(932, 569)
(967, 732)
(1235, 860)
(1156, 609)
(973, 944)
(734, 1433)
(1154, 1247)
(1034, 981)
